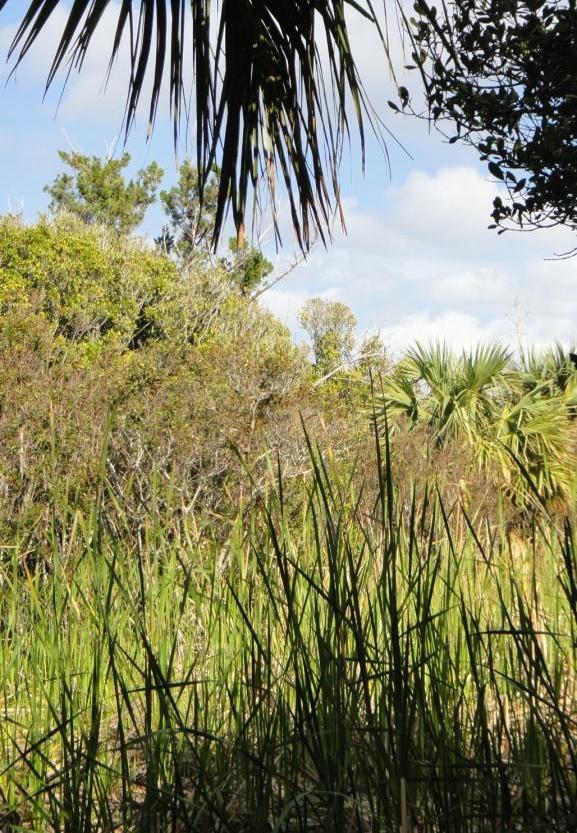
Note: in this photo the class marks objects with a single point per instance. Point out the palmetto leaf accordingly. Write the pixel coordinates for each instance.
(398, 397)
(504, 415)
(483, 366)
(459, 393)
(272, 88)
(553, 368)
(535, 429)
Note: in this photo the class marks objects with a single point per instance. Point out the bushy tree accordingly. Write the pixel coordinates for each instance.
(189, 233)
(92, 286)
(95, 191)
(247, 267)
(191, 215)
(373, 358)
(330, 326)
(99, 333)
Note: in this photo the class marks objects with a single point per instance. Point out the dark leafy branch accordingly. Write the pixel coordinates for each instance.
(501, 76)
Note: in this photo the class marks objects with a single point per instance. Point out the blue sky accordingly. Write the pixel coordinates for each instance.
(418, 260)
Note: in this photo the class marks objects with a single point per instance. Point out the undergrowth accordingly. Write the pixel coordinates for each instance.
(356, 663)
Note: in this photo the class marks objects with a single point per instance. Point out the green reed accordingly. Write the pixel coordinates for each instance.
(343, 664)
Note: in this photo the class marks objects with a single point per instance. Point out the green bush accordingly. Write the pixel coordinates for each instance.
(184, 372)
(92, 286)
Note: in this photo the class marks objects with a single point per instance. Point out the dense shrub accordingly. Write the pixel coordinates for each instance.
(93, 287)
(113, 358)
(103, 340)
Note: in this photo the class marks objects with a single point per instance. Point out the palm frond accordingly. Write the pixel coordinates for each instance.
(398, 397)
(434, 364)
(535, 429)
(515, 421)
(266, 99)
(484, 365)
(553, 367)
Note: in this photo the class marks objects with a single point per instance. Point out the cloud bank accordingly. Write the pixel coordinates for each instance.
(423, 265)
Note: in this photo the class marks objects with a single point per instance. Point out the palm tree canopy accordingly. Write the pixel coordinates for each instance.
(553, 368)
(455, 394)
(273, 83)
(517, 420)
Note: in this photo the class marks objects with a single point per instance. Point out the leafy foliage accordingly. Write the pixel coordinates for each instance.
(533, 429)
(186, 369)
(247, 267)
(331, 328)
(455, 396)
(389, 662)
(503, 74)
(193, 367)
(191, 214)
(96, 191)
(93, 287)
(555, 370)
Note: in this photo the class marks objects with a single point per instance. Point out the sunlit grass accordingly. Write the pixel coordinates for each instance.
(347, 664)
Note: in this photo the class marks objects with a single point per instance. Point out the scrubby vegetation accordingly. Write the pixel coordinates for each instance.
(246, 587)
(342, 661)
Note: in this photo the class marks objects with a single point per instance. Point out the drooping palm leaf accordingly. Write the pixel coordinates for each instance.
(535, 429)
(272, 88)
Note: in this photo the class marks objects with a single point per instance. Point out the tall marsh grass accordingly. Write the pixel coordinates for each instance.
(348, 664)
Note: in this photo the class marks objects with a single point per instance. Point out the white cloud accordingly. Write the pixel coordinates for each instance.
(446, 209)
(487, 285)
(92, 94)
(285, 304)
(456, 329)
(423, 265)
